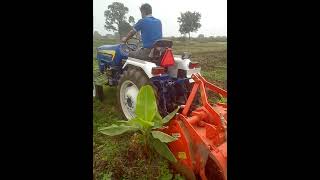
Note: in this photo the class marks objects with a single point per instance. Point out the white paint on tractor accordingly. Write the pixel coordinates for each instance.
(182, 64)
(144, 65)
(172, 70)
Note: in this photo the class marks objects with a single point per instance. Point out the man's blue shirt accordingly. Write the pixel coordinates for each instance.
(151, 30)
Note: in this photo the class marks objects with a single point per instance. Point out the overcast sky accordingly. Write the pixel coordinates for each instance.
(213, 14)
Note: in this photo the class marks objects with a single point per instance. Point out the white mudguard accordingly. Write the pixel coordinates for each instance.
(182, 64)
(172, 70)
(144, 65)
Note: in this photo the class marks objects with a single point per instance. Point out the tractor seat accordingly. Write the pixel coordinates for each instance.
(163, 43)
(158, 49)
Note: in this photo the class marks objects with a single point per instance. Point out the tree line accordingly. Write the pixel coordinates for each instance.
(116, 20)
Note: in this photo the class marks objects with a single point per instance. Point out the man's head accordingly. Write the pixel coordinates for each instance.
(145, 9)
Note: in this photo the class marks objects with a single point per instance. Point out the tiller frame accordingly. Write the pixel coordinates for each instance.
(201, 148)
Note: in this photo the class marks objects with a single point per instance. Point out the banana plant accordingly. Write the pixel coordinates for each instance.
(147, 121)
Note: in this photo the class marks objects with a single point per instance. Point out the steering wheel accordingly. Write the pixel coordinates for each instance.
(139, 40)
(131, 46)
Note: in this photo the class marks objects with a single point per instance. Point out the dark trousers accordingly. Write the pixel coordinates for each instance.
(141, 53)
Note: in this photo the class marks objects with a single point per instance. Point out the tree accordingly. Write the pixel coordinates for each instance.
(116, 35)
(116, 19)
(124, 28)
(131, 20)
(96, 35)
(201, 36)
(189, 22)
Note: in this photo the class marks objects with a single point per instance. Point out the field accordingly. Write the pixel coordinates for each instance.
(121, 157)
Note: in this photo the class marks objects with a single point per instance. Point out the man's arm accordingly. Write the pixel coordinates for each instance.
(129, 36)
(136, 28)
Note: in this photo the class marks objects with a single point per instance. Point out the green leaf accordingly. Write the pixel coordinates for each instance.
(145, 123)
(146, 106)
(114, 130)
(163, 150)
(170, 116)
(141, 123)
(157, 121)
(163, 137)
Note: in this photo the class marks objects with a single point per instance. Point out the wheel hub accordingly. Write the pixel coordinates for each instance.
(129, 102)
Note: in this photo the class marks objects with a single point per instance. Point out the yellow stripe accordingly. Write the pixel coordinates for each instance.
(110, 52)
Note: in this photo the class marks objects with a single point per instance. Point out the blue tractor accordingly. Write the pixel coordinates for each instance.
(168, 74)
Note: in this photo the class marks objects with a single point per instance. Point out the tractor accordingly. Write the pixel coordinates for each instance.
(200, 125)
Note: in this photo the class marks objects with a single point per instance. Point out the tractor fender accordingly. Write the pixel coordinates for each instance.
(144, 65)
(182, 64)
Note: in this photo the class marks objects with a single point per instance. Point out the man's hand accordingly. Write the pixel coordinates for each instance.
(124, 39)
(130, 34)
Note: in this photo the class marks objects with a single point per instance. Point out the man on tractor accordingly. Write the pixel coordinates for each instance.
(151, 31)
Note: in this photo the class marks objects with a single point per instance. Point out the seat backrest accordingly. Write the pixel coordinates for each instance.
(163, 43)
(158, 49)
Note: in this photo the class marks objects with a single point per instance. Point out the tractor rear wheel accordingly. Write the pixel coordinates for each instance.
(128, 88)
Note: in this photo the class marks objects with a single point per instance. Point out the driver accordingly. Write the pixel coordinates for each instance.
(151, 31)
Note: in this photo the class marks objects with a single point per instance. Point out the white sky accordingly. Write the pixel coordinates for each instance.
(213, 14)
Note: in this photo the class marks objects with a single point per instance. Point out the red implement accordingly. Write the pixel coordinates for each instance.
(201, 148)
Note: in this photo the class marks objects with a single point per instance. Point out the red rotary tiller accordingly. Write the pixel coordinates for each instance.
(201, 148)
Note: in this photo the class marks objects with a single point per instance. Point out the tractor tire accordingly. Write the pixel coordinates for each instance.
(98, 92)
(128, 87)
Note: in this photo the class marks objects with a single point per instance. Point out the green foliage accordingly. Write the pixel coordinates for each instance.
(189, 22)
(115, 15)
(131, 20)
(222, 99)
(163, 137)
(146, 104)
(99, 78)
(96, 35)
(147, 118)
(167, 177)
(124, 28)
(163, 150)
(158, 121)
(201, 36)
(170, 116)
(114, 130)
(116, 19)
(107, 176)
